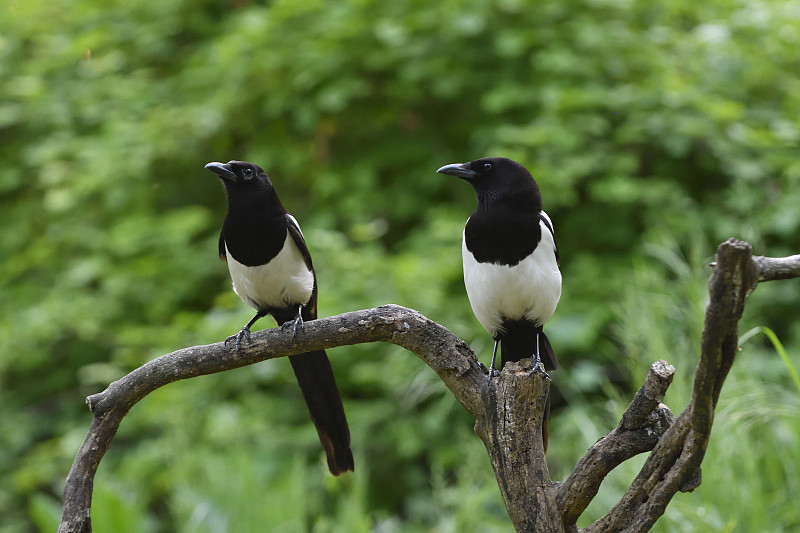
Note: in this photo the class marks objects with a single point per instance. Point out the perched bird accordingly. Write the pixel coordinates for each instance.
(511, 262)
(271, 270)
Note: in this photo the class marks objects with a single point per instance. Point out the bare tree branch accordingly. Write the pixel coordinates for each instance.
(507, 411)
(775, 268)
(676, 459)
(510, 425)
(642, 425)
(446, 354)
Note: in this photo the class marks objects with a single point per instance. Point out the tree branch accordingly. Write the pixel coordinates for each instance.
(507, 410)
(775, 268)
(675, 461)
(642, 425)
(510, 425)
(446, 354)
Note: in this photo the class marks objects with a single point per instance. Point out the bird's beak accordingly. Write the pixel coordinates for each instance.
(223, 170)
(458, 169)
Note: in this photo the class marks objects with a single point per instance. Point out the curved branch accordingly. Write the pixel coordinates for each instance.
(446, 354)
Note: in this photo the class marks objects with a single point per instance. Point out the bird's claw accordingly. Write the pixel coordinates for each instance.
(297, 322)
(536, 367)
(243, 333)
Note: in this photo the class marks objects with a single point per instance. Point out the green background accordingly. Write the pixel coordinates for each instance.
(655, 129)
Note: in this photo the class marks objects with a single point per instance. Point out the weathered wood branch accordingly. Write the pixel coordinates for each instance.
(775, 268)
(446, 354)
(510, 425)
(507, 411)
(643, 424)
(675, 461)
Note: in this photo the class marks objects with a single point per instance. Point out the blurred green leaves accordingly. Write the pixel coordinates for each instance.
(655, 130)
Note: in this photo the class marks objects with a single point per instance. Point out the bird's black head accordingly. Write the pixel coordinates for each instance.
(498, 179)
(239, 172)
(244, 182)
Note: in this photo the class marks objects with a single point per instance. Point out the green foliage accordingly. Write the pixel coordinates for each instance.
(655, 130)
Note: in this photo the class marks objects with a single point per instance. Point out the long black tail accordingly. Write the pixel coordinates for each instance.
(518, 342)
(315, 376)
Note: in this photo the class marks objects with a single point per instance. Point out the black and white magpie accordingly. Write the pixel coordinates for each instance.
(271, 269)
(511, 261)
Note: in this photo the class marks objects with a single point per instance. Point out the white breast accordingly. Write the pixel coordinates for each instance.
(285, 281)
(530, 289)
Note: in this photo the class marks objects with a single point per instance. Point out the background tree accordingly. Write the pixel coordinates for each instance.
(655, 129)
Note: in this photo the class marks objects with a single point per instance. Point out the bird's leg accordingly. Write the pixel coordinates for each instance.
(244, 332)
(536, 362)
(492, 371)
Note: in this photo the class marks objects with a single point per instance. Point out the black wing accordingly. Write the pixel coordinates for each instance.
(546, 219)
(222, 254)
(297, 237)
(310, 309)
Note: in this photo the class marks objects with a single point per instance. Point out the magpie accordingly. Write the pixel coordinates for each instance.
(271, 270)
(511, 262)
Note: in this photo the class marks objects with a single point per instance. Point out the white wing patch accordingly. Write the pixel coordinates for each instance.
(547, 217)
(530, 289)
(296, 225)
(285, 281)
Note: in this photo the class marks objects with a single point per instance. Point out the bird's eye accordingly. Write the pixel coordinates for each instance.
(487, 166)
(248, 173)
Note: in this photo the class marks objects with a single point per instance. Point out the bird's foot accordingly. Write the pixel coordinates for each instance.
(536, 367)
(244, 333)
(297, 322)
